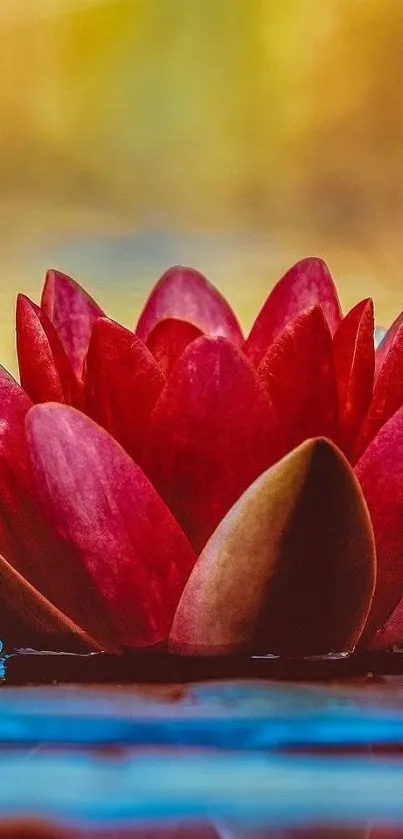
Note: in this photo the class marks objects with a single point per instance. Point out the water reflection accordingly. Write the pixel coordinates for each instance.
(190, 830)
(123, 789)
(248, 716)
(229, 759)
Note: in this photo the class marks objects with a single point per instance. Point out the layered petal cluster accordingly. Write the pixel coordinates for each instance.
(183, 487)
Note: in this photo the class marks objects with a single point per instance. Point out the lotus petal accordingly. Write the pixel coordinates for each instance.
(211, 433)
(290, 570)
(27, 541)
(72, 312)
(102, 503)
(122, 383)
(308, 283)
(45, 371)
(380, 473)
(386, 343)
(391, 634)
(185, 294)
(299, 375)
(169, 339)
(354, 356)
(388, 394)
(27, 619)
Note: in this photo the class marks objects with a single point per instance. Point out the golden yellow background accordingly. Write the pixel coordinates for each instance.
(234, 135)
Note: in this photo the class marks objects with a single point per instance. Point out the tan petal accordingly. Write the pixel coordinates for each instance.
(291, 568)
(27, 619)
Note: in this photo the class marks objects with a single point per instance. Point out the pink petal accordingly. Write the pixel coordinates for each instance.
(211, 433)
(98, 499)
(299, 376)
(354, 356)
(308, 283)
(72, 312)
(169, 339)
(388, 394)
(27, 619)
(380, 472)
(185, 294)
(290, 570)
(122, 383)
(45, 372)
(26, 539)
(386, 343)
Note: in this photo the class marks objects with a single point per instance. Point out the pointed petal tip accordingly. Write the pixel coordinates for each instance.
(169, 339)
(306, 284)
(289, 570)
(72, 312)
(298, 373)
(354, 358)
(184, 293)
(122, 384)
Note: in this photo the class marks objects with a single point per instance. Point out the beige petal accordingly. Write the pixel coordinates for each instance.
(291, 568)
(27, 619)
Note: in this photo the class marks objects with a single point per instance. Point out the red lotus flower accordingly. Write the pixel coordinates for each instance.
(181, 486)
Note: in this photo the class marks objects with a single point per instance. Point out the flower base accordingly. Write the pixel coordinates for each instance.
(31, 667)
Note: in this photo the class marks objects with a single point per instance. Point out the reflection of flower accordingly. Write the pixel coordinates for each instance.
(183, 441)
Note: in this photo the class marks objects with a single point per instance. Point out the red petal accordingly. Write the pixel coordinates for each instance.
(380, 472)
(386, 343)
(122, 383)
(185, 294)
(298, 373)
(45, 372)
(306, 284)
(27, 619)
(26, 539)
(290, 570)
(169, 339)
(388, 394)
(72, 312)
(99, 500)
(391, 634)
(354, 356)
(211, 433)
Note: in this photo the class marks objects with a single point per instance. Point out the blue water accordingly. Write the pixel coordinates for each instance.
(245, 789)
(222, 753)
(242, 716)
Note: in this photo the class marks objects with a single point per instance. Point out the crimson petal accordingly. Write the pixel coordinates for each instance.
(211, 433)
(299, 375)
(27, 619)
(380, 472)
(308, 283)
(45, 371)
(354, 355)
(185, 294)
(122, 383)
(72, 312)
(391, 634)
(290, 570)
(169, 339)
(388, 394)
(129, 542)
(26, 539)
(386, 343)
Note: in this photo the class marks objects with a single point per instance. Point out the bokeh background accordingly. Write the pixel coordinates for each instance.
(233, 135)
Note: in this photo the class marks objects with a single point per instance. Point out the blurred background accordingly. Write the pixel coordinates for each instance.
(234, 136)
